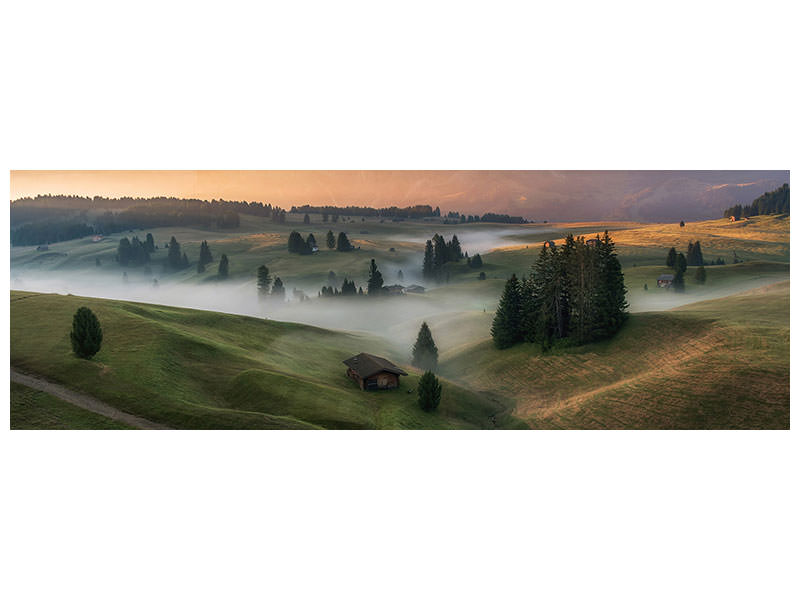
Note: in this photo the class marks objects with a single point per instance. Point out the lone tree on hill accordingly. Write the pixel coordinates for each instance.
(306, 219)
(86, 335)
(330, 239)
(671, 256)
(506, 324)
(375, 281)
(264, 281)
(425, 354)
(222, 270)
(683, 224)
(429, 392)
(311, 241)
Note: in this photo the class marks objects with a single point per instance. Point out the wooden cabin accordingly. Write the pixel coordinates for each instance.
(665, 281)
(372, 372)
(394, 290)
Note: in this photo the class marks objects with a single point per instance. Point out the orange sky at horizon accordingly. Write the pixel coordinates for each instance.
(262, 186)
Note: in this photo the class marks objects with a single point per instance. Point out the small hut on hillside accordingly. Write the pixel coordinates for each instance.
(372, 372)
(665, 281)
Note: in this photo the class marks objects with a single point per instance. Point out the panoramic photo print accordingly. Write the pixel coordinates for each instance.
(399, 299)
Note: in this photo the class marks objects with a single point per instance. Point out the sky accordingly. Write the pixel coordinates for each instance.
(555, 195)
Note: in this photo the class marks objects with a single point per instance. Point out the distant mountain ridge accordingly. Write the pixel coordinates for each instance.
(537, 195)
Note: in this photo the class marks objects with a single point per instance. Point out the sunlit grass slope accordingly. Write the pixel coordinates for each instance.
(721, 363)
(198, 369)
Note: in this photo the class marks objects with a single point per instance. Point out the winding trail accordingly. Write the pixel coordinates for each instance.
(83, 401)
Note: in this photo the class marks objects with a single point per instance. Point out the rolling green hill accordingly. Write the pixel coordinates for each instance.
(198, 369)
(721, 363)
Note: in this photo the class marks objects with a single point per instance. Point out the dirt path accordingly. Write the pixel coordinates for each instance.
(83, 401)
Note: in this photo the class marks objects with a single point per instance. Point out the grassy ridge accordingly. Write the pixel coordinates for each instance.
(721, 363)
(198, 369)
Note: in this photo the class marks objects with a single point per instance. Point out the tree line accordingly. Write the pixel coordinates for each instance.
(575, 292)
(769, 203)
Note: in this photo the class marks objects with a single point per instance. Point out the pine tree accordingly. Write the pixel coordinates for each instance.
(680, 263)
(506, 323)
(306, 220)
(331, 240)
(429, 392)
(342, 243)
(184, 261)
(263, 282)
(222, 270)
(150, 244)
(278, 292)
(671, 256)
(86, 335)
(311, 241)
(476, 262)
(174, 256)
(683, 224)
(205, 254)
(400, 275)
(297, 244)
(427, 261)
(700, 275)
(425, 354)
(375, 281)
(440, 256)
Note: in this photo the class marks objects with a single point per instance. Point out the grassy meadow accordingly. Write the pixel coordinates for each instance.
(713, 357)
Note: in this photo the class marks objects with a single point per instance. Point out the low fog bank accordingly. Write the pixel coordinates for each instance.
(659, 299)
(394, 319)
(480, 241)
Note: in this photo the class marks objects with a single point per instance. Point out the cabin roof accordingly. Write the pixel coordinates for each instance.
(367, 365)
(666, 277)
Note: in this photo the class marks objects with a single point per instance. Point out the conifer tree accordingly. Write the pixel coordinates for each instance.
(424, 353)
(174, 256)
(375, 281)
(222, 270)
(342, 243)
(306, 219)
(680, 263)
(264, 281)
(311, 241)
(506, 323)
(399, 275)
(476, 262)
(150, 244)
(184, 261)
(671, 256)
(427, 261)
(86, 335)
(331, 240)
(678, 283)
(278, 292)
(205, 254)
(429, 392)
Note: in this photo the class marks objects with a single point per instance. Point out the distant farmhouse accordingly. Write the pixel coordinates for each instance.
(373, 372)
(415, 289)
(394, 290)
(665, 281)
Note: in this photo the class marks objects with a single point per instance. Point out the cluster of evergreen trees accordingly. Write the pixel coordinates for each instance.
(575, 292)
(267, 288)
(474, 262)
(135, 252)
(205, 257)
(348, 289)
(694, 255)
(438, 253)
(176, 259)
(769, 203)
(298, 245)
